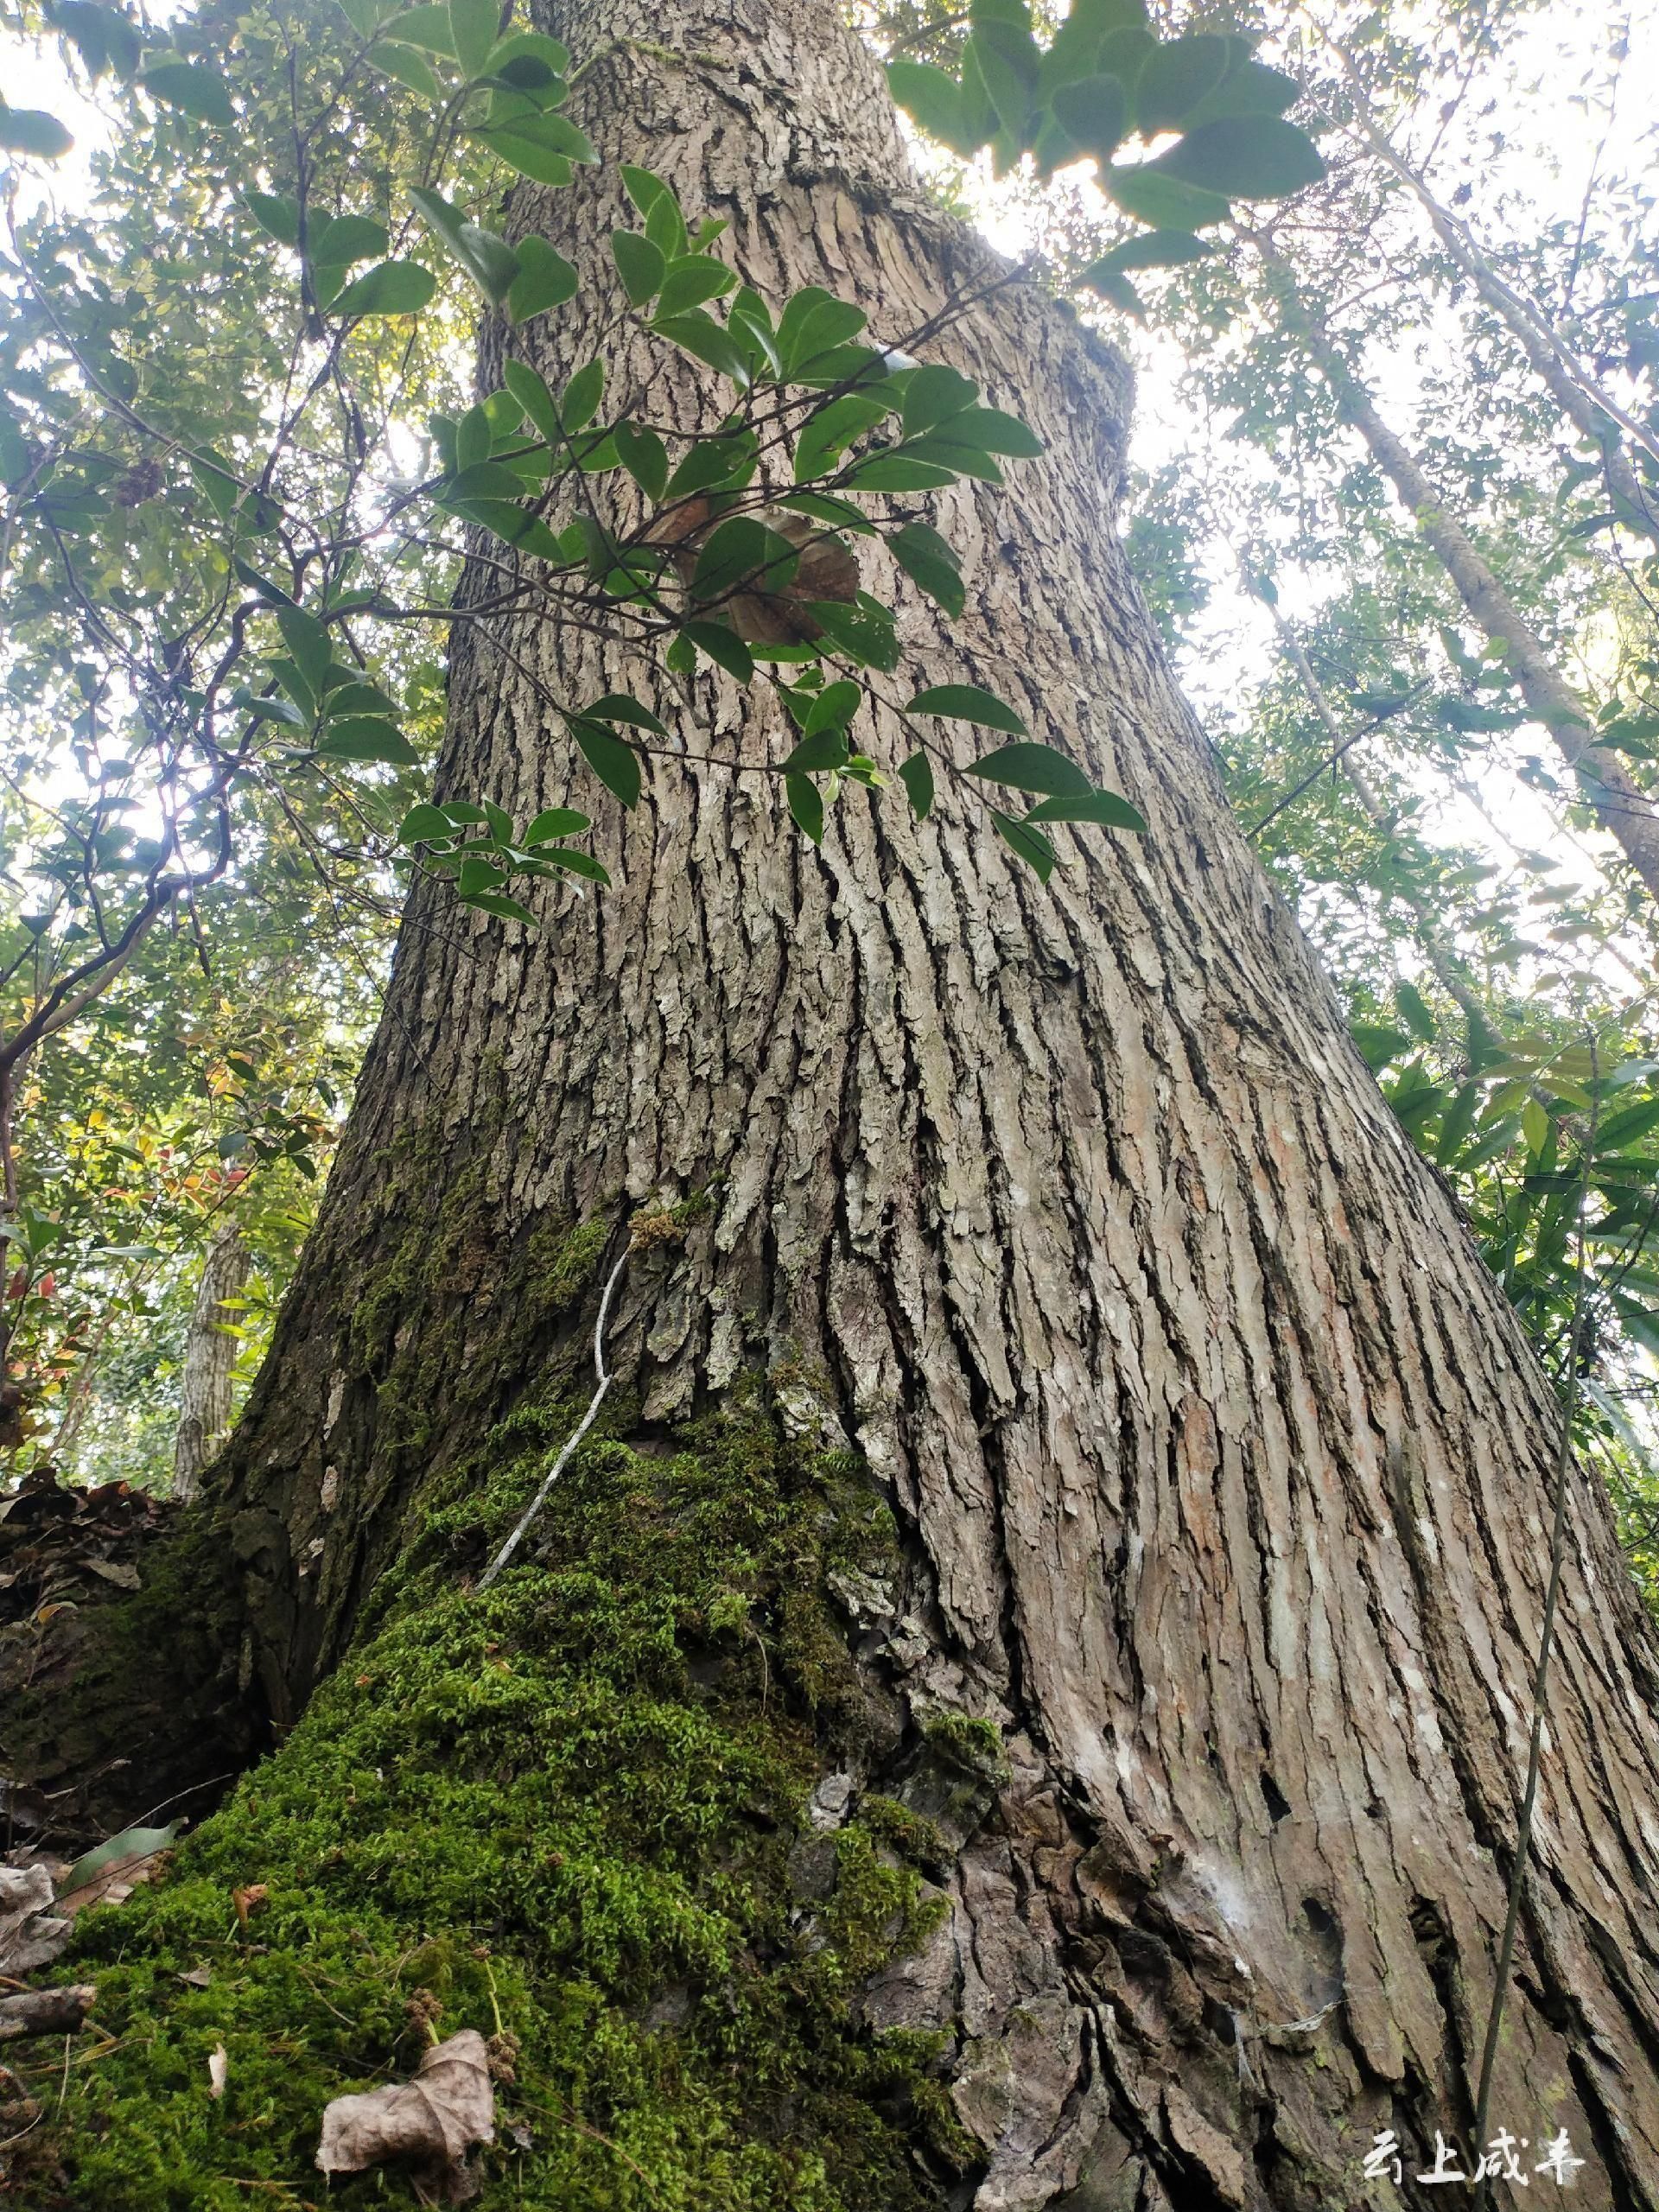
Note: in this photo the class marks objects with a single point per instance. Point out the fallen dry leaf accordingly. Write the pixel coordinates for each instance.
(30, 1935)
(110, 1874)
(432, 2121)
(218, 2067)
(248, 1900)
(121, 1572)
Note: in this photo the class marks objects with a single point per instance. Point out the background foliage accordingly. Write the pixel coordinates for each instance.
(242, 459)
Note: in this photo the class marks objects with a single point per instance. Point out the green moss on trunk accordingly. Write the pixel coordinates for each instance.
(567, 1808)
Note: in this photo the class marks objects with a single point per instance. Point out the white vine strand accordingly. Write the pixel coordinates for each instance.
(576, 1435)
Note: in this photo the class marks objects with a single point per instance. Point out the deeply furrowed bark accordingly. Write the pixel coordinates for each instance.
(1222, 1465)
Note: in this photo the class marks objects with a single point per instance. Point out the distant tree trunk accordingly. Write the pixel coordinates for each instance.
(1625, 811)
(209, 1358)
(1222, 1470)
(1593, 413)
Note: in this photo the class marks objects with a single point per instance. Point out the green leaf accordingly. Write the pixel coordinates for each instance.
(916, 774)
(488, 260)
(641, 266)
(743, 554)
(1250, 156)
(339, 240)
(531, 391)
(1118, 290)
(1249, 88)
(1149, 194)
(617, 707)
(488, 481)
(395, 287)
(102, 38)
(1151, 250)
(431, 28)
(1033, 767)
(525, 117)
(665, 224)
(526, 151)
(834, 707)
(1005, 57)
(496, 903)
(1378, 1045)
(813, 324)
(691, 280)
(356, 699)
(424, 825)
(935, 100)
(616, 764)
(823, 749)
(1107, 808)
(699, 334)
(865, 633)
(265, 707)
(1030, 845)
(646, 458)
(552, 59)
(1416, 1012)
(582, 395)
(273, 594)
(723, 646)
(556, 821)
(966, 702)
(890, 470)
(1628, 1125)
(932, 395)
(827, 507)
(714, 461)
(931, 564)
(1094, 115)
(806, 805)
(566, 860)
(826, 434)
(367, 739)
(277, 214)
(473, 25)
(475, 433)
(195, 88)
(1175, 77)
(982, 430)
(545, 279)
(407, 67)
(308, 641)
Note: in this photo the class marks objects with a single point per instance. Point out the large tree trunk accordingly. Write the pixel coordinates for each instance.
(1220, 1468)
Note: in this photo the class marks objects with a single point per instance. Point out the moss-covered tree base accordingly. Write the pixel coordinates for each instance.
(575, 1812)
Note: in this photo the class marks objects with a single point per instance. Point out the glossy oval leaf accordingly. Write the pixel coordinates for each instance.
(966, 702)
(194, 89)
(32, 131)
(1109, 809)
(640, 264)
(615, 764)
(1244, 156)
(1034, 767)
(394, 288)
